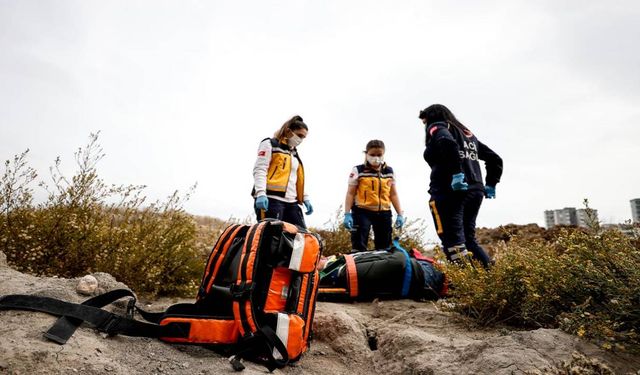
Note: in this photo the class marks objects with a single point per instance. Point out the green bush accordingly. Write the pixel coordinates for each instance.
(585, 282)
(85, 225)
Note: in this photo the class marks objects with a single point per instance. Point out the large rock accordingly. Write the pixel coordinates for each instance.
(3, 259)
(87, 286)
(390, 337)
(106, 282)
(342, 333)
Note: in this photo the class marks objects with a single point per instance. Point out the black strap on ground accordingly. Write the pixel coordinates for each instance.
(259, 347)
(65, 326)
(153, 317)
(104, 321)
(274, 342)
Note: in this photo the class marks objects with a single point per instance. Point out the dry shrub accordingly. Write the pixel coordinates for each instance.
(86, 226)
(336, 239)
(491, 238)
(208, 229)
(586, 282)
(578, 364)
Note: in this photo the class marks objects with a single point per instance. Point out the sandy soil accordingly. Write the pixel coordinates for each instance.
(393, 337)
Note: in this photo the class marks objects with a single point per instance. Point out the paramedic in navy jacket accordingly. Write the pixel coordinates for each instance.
(456, 186)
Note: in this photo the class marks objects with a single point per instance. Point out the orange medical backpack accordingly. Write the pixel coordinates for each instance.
(256, 299)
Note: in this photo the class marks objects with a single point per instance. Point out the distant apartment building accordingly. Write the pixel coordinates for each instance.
(549, 218)
(635, 210)
(569, 216)
(566, 216)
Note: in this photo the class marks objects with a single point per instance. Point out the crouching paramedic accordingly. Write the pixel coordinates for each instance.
(278, 175)
(456, 186)
(371, 192)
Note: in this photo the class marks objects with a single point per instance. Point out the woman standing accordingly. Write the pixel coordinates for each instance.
(456, 186)
(278, 175)
(371, 192)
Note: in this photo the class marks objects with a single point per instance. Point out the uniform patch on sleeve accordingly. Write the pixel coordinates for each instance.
(351, 175)
(262, 153)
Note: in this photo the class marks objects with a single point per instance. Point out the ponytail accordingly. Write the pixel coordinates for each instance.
(292, 124)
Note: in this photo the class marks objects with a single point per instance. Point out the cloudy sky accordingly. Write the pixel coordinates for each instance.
(183, 91)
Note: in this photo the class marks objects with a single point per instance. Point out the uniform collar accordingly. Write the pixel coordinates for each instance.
(369, 166)
(443, 123)
(285, 145)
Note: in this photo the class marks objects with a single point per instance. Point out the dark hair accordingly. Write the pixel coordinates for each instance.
(439, 113)
(374, 143)
(292, 124)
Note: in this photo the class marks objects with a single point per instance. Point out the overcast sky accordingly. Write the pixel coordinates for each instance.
(183, 92)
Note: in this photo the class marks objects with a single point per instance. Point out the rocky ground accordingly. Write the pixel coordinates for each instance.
(392, 337)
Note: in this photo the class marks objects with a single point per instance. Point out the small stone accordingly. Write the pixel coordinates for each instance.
(3, 259)
(87, 285)
(375, 313)
(185, 365)
(4, 365)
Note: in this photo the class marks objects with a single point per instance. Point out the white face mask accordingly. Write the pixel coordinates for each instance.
(294, 141)
(374, 160)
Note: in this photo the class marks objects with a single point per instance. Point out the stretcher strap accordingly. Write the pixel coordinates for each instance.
(65, 326)
(104, 321)
(406, 282)
(352, 275)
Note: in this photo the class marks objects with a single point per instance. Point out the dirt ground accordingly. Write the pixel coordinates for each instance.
(392, 337)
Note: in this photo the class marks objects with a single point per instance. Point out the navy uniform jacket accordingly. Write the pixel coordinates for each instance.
(449, 151)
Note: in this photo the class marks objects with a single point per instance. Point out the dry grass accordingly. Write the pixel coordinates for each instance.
(86, 225)
(583, 281)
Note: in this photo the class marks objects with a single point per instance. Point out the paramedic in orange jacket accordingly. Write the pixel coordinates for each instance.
(278, 175)
(371, 192)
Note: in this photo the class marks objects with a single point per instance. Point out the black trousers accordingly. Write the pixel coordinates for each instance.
(454, 216)
(363, 221)
(289, 212)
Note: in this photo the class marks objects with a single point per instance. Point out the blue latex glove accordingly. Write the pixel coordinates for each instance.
(490, 192)
(457, 182)
(399, 221)
(262, 202)
(348, 221)
(309, 207)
